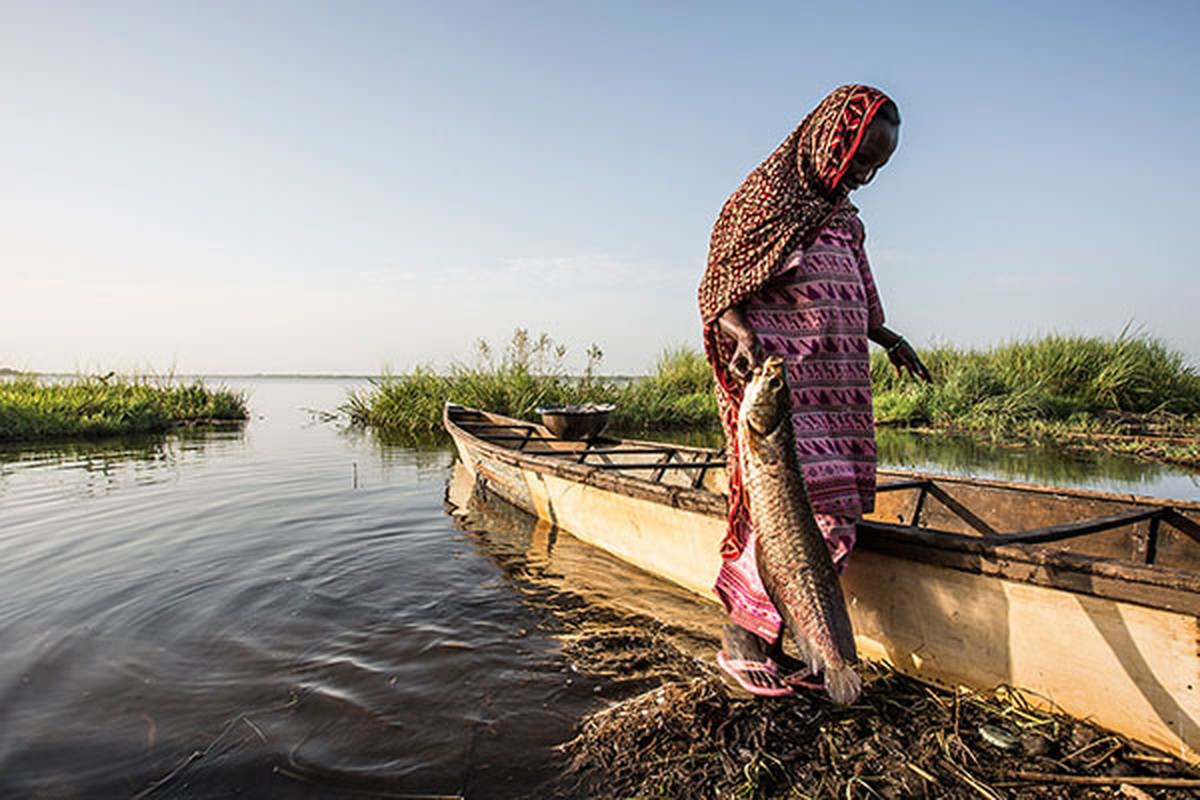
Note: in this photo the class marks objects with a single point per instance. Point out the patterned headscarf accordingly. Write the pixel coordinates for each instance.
(787, 200)
(782, 205)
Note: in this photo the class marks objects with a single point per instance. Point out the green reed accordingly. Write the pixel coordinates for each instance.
(530, 372)
(678, 395)
(1052, 382)
(1053, 387)
(92, 406)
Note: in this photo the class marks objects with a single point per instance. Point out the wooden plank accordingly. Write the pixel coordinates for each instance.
(1151, 554)
(1182, 523)
(512, 437)
(922, 496)
(895, 486)
(474, 427)
(580, 455)
(1035, 490)
(959, 510)
(659, 465)
(528, 435)
(1151, 586)
(665, 461)
(643, 451)
(1056, 533)
(698, 481)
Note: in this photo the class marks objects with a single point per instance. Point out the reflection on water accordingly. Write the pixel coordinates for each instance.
(961, 455)
(92, 468)
(288, 601)
(548, 562)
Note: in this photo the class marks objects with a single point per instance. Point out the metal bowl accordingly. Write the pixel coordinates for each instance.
(584, 421)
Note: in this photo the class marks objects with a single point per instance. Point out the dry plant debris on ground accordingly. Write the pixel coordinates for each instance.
(691, 737)
(669, 726)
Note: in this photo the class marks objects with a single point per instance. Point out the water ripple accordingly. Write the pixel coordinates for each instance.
(293, 601)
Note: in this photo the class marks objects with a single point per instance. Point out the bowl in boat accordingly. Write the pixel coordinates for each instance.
(583, 421)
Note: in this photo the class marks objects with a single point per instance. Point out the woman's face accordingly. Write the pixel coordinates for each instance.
(877, 145)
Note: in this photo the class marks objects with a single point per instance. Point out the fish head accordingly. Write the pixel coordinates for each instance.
(765, 399)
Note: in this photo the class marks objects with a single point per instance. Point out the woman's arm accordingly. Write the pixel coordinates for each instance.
(899, 352)
(747, 353)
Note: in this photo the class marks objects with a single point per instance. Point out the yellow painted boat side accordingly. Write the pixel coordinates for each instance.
(1126, 667)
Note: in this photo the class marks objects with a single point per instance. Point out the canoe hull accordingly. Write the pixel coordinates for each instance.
(1122, 665)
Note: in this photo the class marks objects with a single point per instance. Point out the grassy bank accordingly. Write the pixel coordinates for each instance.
(529, 373)
(35, 409)
(1130, 394)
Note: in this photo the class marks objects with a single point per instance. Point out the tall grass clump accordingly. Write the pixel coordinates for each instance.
(91, 406)
(529, 373)
(678, 395)
(1052, 379)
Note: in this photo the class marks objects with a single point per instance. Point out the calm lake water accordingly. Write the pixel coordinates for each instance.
(290, 601)
(288, 610)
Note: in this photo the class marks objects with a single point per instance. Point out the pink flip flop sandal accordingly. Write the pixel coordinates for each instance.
(735, 669)
(804, 678)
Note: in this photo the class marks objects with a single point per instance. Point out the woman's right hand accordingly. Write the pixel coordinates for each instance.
(746, 356)
(747, 353)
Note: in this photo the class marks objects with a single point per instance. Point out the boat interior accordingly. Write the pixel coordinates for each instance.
(1129, 528)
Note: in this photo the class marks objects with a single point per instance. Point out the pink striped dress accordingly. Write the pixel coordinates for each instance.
(815, 315)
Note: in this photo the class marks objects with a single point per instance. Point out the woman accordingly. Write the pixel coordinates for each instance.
(787, 276)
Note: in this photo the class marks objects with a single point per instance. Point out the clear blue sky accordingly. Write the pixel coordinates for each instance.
(344, 186)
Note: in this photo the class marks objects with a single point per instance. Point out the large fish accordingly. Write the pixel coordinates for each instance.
(793, 559)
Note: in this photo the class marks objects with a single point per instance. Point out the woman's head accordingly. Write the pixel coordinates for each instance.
(847, 138)
(874, 149)
(786, 201)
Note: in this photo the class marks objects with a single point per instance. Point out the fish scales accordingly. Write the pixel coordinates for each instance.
(793, 558)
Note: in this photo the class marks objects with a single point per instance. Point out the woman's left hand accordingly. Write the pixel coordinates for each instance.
(904, 357)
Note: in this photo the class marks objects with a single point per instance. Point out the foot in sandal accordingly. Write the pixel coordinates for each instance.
(793, 671)
(744, 657)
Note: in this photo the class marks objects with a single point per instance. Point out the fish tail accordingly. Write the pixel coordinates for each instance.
(807, 650)
(843, 684)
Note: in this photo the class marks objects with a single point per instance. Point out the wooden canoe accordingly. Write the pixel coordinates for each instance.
(1083, 600)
